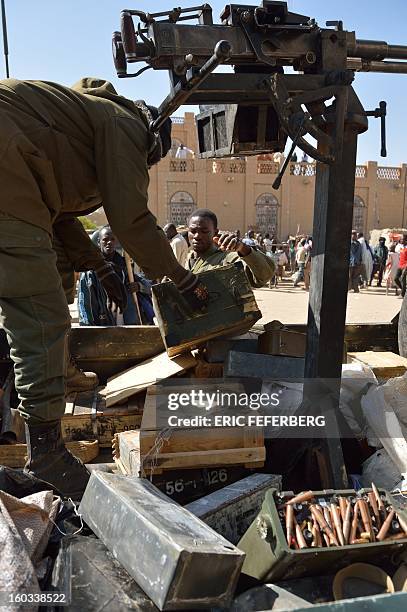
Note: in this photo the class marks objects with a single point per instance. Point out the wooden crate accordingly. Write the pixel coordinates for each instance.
(384, 364)
(187, 449)
(151, 450)
(87, 418)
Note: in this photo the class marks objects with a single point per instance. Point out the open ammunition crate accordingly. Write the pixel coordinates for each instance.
(269, 558)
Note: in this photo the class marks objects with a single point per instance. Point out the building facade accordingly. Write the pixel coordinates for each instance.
(240, 191)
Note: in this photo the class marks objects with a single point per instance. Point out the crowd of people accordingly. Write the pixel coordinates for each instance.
(292, 258)
(291, 262)
(387, 264)
(202, 246)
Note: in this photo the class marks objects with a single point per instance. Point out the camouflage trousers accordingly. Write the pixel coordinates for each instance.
(35, 316)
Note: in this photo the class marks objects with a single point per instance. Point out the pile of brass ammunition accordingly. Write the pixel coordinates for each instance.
(340, 520)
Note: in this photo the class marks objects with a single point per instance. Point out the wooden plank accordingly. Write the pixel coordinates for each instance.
(210, 438)
(91, 419)
(143, 375)
(233, 456)
(15, 455)
(384, 364)
(185, 440)
(83, 427)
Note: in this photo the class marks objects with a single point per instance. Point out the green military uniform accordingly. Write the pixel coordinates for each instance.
(62, 152)
(258, 267)
(75, 253)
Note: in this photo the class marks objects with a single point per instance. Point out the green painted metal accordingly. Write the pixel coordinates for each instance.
(395, 602)
(270, 559)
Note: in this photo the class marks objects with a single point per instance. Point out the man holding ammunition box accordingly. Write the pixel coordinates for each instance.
(212, 249)
(63, 152)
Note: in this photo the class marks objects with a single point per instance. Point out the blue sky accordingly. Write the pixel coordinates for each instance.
(63, 40)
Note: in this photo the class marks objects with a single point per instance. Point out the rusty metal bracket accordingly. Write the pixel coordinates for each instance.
(291, 114)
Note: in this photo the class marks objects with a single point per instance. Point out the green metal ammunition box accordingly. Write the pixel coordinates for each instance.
(269, 558)
(232, 310)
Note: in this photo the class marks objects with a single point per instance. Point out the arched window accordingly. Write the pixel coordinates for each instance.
(181, 207)
(359, 214)
(267, 213)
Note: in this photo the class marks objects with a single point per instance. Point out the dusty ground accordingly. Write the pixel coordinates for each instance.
(290, 305)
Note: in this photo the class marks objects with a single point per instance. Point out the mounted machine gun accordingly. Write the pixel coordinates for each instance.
(291, 78)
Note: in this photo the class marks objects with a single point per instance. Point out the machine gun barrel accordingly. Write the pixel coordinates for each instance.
(376, 50)
(368, 56)
(360, 65)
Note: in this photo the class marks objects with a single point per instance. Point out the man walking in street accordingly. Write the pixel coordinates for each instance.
(355, 263)
(301, 259)
(63, 152)
(380, 255)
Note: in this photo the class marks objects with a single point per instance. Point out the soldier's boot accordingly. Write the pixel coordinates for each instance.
(49, 460)
(77, 381)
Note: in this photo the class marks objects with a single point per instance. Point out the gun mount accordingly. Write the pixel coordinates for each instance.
(291, 78)
(255, 108)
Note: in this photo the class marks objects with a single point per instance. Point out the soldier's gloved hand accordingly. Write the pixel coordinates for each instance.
(114, 287)
(194, 291)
